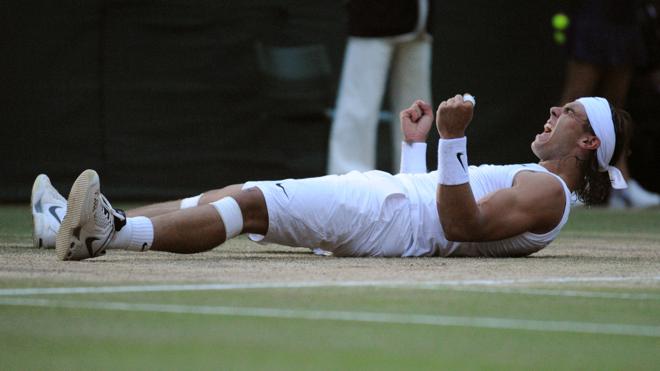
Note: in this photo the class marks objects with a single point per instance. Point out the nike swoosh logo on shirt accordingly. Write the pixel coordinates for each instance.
(280, 185)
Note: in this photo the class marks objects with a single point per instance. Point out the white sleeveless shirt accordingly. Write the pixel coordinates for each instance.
(428, 236)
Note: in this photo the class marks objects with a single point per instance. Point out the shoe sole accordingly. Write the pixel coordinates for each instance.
(37, 218)
(77, 198)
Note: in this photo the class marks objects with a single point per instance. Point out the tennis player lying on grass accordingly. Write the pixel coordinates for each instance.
(497, 211)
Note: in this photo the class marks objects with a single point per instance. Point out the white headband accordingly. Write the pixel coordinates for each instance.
(600, 118)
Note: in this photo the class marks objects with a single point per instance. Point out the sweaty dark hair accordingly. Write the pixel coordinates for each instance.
(596, 185)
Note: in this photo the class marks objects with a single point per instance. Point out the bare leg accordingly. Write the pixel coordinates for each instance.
(155, 209)
(200, 228)
(581, 81)
(171, 206)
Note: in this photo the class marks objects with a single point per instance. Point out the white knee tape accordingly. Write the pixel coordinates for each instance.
(190, 202)
(231, 216)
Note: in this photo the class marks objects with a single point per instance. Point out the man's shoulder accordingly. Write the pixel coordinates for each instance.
(543, 195)
(541, 187)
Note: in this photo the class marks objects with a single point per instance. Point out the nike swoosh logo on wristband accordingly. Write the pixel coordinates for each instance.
(458, 156)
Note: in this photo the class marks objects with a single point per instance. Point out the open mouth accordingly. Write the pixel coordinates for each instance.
(545, 135)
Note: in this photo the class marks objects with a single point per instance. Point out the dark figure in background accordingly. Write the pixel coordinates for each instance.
(389, 41)
(605, 45)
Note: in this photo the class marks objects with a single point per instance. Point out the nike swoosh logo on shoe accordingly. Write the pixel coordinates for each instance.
(52, 212)
(37, 207)
(88, 244)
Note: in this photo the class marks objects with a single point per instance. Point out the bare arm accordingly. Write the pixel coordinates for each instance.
(535, 202)
(416, 122)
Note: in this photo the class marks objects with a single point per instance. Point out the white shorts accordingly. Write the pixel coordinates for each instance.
(356, 214)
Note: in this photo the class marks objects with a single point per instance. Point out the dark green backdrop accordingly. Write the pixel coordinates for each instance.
(169, 98)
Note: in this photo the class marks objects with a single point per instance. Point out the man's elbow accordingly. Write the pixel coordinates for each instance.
(461, 232)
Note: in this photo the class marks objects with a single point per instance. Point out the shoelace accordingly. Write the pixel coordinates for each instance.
(118, 214)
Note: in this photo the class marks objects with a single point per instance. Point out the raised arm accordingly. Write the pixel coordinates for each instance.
(416, 122)
(535, 203)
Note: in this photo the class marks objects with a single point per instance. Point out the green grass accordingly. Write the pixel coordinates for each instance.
(645, 222)
(40, 338)
(55, 337)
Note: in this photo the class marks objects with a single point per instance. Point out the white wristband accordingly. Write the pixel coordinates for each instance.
(453, 161)
(413, 157)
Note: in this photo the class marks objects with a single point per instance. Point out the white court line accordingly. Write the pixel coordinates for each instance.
(465, 285)
(387, 318)
(562, 293)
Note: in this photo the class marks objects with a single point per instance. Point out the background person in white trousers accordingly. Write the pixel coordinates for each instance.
(388, 39)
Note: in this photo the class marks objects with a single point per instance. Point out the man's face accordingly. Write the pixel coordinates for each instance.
(562, 132)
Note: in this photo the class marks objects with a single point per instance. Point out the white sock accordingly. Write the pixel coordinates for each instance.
(136, 235)
(190, 201)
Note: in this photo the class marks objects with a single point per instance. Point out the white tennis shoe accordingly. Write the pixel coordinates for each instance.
(48, 210)
(90, 223)
(634, 196)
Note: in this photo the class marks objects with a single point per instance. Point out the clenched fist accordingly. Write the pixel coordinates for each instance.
(453, 117)
(416, 121)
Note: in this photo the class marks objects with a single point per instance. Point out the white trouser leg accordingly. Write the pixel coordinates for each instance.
(354, 129)
(410, 80)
